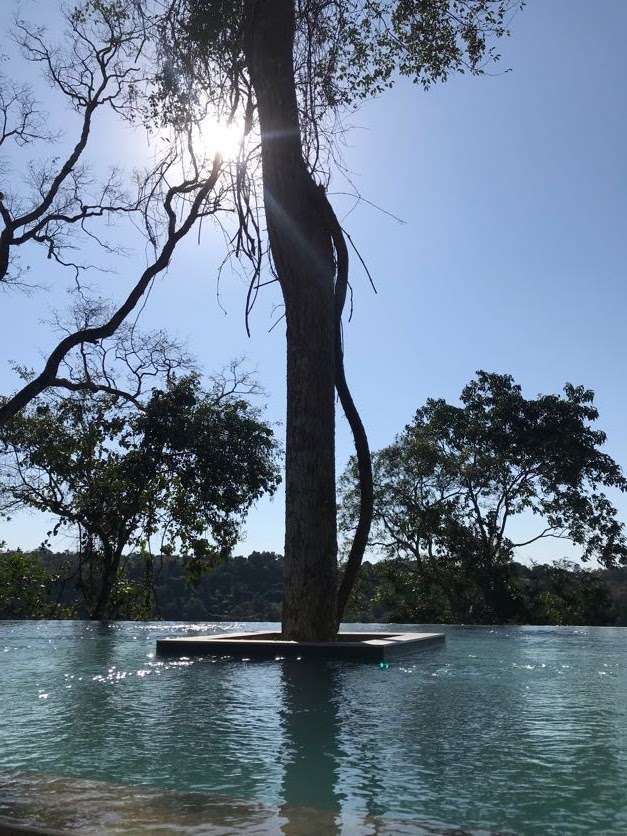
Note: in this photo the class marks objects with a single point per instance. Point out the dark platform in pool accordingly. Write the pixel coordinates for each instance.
(370, 647)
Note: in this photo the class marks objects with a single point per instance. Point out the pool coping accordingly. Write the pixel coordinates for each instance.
(377, 647)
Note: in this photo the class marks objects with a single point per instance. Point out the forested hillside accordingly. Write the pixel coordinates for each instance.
(44, 585)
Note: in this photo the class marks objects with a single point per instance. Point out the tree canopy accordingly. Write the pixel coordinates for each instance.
(283, 70)
(26, 587)
(447, 490)
(185, 468)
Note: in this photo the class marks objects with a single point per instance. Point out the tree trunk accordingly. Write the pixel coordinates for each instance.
(302, 252)
(110, 566)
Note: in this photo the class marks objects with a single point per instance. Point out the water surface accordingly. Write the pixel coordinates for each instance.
(519, 730)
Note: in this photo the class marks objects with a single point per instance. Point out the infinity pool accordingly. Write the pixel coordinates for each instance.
(519, 730)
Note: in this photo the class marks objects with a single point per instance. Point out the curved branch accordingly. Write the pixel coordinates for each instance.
(94, 334)
(543, 534)
(362, 449)
(90, 386)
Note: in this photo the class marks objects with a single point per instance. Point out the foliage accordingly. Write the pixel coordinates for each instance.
(241, 588)
(565, 594)
(344, 52)
(236, 588)
(300, 65)
(187, 468)
(25, 588)
(562, 593)
(616, 581)
(451, 483)
(251, 588)
(448, 488)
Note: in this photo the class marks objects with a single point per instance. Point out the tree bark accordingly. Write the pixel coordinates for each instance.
(111, 564)
(302, 252)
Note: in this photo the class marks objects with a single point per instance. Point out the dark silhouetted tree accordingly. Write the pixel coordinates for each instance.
(285, 70)
(448, 488)
(186, 469)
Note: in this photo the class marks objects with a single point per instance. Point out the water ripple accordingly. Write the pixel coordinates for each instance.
(503, 729)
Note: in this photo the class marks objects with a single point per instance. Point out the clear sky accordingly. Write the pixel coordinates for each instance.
(511, 257)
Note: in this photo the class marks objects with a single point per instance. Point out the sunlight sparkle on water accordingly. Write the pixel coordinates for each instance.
(491, 732)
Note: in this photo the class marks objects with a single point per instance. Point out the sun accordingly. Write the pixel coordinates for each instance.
(223, 138)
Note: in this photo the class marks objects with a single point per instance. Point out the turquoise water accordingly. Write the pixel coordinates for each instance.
(519, 730)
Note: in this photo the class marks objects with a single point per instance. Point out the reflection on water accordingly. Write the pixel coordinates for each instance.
(87, 807)
(518, 730)
(312, 755)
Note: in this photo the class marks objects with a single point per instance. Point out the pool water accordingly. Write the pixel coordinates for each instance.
(517, 730)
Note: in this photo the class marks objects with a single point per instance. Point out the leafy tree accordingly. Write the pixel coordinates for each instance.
(187, 467)
(616, 582)
(386, 591)
(566, 594)
(25, 588)
(447, 489)
(284, 70)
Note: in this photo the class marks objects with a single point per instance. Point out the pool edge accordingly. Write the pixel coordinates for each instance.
(367, 647)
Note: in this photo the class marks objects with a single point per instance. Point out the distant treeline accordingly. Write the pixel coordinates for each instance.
(561, 593)
(42, 585)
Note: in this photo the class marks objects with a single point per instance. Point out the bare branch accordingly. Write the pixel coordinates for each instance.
(21, 120)
(96, 333)
(93, 71)
(547, 532)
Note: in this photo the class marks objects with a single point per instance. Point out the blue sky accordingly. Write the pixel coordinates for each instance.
(511, 257)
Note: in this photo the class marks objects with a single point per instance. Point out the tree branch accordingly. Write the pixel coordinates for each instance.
(93, 334)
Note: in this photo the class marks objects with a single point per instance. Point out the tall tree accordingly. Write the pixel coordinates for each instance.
(283, 67)
(186, 467)
(449, 487)
(283, 70)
